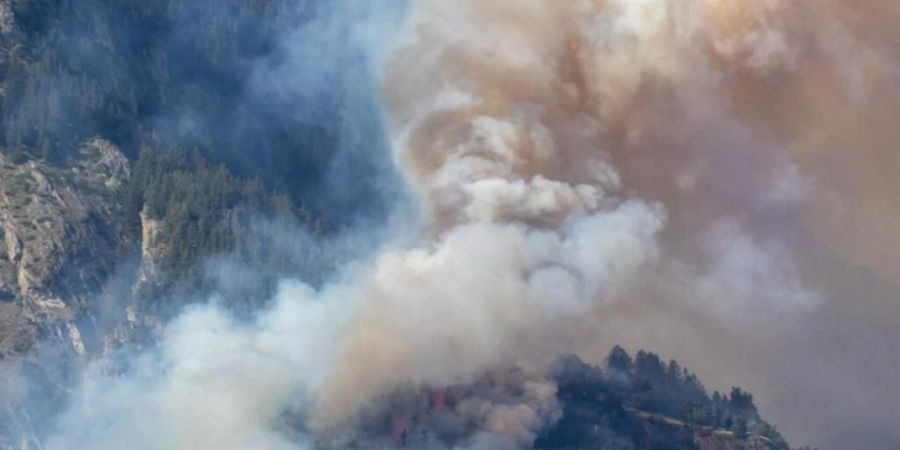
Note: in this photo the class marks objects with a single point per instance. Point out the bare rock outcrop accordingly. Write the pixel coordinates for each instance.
(60, 231)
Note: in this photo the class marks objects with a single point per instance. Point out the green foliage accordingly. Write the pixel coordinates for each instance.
(740, 428)
(668, 389)
(200, 206)
(171, 84)
(645, 403)
(620, 360)
(188, 74)
(72, 69)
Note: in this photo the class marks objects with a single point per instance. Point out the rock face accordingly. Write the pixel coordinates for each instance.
(60, 231)
(6, 17)
(152, 254)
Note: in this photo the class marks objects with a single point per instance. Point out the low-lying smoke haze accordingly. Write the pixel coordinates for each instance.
(711, 179)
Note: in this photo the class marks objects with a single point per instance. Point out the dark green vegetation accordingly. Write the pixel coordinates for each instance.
(194, 93)
(202, 209)
(119, 69)
(646, 403)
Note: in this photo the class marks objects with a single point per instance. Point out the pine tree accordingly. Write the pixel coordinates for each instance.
(619, 359)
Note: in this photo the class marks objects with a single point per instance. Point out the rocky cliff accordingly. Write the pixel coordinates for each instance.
(60, 233)
(60, 239)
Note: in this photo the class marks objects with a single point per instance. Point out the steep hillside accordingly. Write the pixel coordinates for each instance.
(61, 237)
(133, 145)
(131, 151)
(189, 76)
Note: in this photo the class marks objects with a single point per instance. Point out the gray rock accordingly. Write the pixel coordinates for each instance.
(60, 231)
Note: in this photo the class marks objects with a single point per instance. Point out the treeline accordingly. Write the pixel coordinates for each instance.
(614, 407)
(669, 389)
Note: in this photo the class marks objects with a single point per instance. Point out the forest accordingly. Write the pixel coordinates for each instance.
(212, 143)
(645, 402)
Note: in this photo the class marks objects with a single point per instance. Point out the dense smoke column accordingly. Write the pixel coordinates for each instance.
(543, 139)
(753, 123)
(525, 233)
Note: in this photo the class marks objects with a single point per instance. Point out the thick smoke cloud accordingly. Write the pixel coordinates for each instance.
(710, 179)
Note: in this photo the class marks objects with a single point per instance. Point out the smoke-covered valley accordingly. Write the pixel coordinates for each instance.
(347, 224)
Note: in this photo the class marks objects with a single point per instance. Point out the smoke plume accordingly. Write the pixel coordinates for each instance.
(709, 178)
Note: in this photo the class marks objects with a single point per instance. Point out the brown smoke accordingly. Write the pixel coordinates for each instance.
(764, 127)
